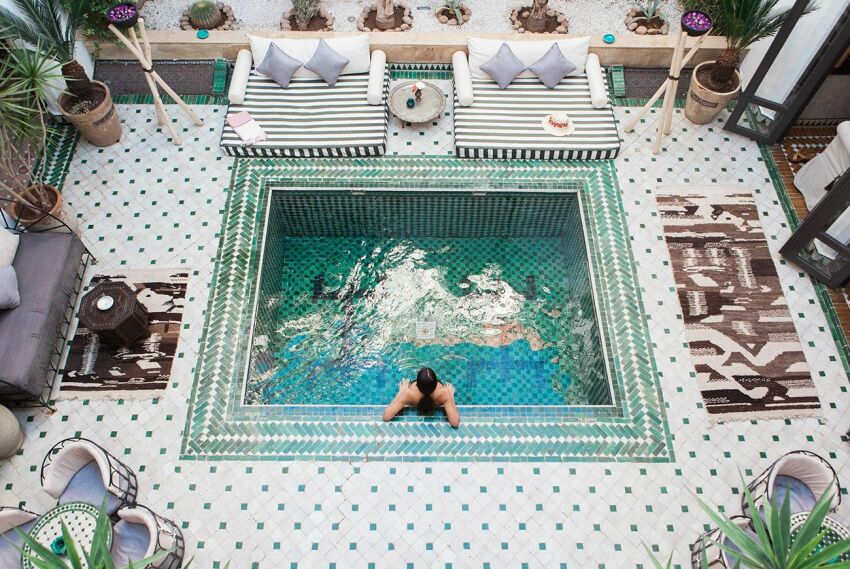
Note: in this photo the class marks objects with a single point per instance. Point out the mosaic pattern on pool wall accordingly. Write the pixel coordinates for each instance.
(359, 291)
(220, 426)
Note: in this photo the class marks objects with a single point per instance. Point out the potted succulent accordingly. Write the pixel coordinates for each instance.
(771, 541)
(87, 104)
(646, 18)
(26, 88)
(715, 83)
(207, 15)
(307, 15)
(453, 13)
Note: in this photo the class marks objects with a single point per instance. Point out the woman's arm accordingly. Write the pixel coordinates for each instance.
(452, 414)
(399, 403)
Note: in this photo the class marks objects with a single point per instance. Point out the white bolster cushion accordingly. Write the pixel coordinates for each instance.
(239, 79)
(595, 81)
(377, 69)
(844, 134)
(463, 79)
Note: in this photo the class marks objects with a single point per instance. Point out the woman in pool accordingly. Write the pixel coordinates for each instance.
(427, 391)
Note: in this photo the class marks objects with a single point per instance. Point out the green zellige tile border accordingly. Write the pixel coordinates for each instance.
(147, 99)
(57, 154)
(219, 427)
(820, 289)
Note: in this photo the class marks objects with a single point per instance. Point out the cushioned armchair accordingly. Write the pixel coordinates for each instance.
(13, 520)
(803, 476)
(79, 470)
(140, 533)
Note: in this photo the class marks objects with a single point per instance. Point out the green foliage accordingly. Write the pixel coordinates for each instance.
(774, 546)
(94, 20)
(456, 8)
(97, 558)
(304, 11)
(205, 15)
(45, 23)
(748, 21)
(710, 7)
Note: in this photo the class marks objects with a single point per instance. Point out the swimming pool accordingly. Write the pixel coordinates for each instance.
(358, 290)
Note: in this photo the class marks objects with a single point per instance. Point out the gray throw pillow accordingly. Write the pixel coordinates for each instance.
(10, 297)
(278, 65)
(326, 63)
(552, 67)
(503, 67)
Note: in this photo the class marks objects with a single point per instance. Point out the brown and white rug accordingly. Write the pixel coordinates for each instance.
(748, 357)
(143, 369)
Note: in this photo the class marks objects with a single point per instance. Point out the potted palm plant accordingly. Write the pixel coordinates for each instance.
(777, 540)
(715, 83)
(43, 23)
(26, 87)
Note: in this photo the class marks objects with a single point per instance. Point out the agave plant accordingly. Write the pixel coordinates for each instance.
(456, 8)
(744, 23)
(45, 24)
(98, 557)
(774, 545)
(27, 82)
(648, 9)
(304, 12)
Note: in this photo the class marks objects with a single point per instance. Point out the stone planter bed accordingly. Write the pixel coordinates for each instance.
(584, 16)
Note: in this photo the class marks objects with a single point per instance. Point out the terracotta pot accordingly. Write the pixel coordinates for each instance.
(11, 435)
(703, 104)
(100, 126)
(43, 196)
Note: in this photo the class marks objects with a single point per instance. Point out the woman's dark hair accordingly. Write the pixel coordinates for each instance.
(426, 380)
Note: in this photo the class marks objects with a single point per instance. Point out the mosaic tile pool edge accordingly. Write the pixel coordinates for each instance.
(213, 434)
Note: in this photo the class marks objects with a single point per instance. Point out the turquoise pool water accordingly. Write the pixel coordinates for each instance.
(359, 292)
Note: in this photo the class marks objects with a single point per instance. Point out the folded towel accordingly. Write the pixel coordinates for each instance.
(246, 127)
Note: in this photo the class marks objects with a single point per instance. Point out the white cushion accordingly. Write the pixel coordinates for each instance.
(355, 48)
(463, 81)
(596, 82)
(8, 246)
(239, 79)
(377, 69)
(481, 50)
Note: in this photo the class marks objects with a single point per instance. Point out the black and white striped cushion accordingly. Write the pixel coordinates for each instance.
(311, 119)
(505, 124)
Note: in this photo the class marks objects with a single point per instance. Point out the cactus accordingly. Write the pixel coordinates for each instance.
(205, 15)
(304, 12)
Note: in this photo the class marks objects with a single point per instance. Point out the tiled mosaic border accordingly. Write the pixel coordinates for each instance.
(214, 426)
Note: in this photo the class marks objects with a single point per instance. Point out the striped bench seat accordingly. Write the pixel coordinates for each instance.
(311, 119)
(505, 124)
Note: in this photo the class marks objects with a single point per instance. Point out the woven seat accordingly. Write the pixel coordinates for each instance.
(803, 476)
(13, 520)
(141, 533)
(79, 470)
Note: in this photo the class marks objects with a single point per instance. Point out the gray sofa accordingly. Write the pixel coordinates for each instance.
(49, 263)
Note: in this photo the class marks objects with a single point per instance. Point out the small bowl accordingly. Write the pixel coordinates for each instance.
(203, 34)
(58, 546)
(703, 18)
(126, 23)
(105, 302)
(609, 38)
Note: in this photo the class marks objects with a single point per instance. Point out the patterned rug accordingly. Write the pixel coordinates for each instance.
(143, 369)
(747, 354)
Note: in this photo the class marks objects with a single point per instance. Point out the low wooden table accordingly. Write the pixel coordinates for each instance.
(80, 519)
(125, 322)
(430, 107)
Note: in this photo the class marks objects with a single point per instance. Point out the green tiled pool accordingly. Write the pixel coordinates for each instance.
(359, 291)
(524, 270)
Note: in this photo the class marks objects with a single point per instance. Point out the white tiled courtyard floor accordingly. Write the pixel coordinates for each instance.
(145, 202)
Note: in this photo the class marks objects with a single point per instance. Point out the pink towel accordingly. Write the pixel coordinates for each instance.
(246, 127)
